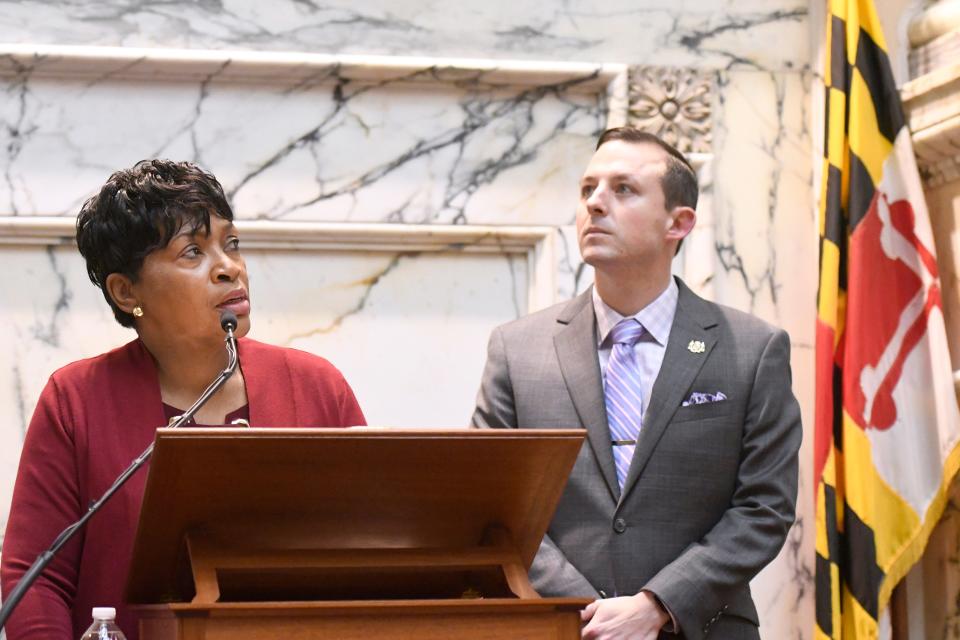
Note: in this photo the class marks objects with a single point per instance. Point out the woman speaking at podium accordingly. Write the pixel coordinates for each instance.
(159, 241)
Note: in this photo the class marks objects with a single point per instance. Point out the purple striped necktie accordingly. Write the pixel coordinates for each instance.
(623, 395)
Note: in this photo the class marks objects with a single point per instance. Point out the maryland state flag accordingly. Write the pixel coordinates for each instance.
(887, 421)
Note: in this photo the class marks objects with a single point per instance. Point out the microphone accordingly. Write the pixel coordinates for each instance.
(228, 322)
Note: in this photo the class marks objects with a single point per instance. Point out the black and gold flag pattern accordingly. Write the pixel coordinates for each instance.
(886, 417)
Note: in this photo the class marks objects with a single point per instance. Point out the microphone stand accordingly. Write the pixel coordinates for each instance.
(228, 322)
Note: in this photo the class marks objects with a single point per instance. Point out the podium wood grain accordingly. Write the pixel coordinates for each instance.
(349, 533)
(546, 619)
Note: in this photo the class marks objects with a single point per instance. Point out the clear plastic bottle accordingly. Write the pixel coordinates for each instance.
(104, 625)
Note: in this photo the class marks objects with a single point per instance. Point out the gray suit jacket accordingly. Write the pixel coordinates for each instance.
(712, 488)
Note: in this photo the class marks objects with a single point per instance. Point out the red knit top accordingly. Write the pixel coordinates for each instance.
(93, 418)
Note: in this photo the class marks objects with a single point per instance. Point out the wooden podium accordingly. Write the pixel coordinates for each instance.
(349, 533)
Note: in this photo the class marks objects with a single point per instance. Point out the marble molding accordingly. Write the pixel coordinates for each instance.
(713, 34)
(932, 106)
(535, 245)
(935, 19)
(435, 141)
(941, 52)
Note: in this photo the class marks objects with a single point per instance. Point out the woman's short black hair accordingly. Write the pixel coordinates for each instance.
(138, 211)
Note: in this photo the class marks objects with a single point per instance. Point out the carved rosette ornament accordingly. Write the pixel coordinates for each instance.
(673, 103)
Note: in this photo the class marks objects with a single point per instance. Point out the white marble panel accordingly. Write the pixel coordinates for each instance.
(763, 207)
(573, 274)
(765, 262)
(694, 262)
(468, 150)
(326, 146)
(52, 315)
(407, 329)
(766, 34)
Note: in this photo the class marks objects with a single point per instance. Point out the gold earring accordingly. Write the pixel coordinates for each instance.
(138, 311)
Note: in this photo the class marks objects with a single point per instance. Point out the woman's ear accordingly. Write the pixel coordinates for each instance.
(120, 289)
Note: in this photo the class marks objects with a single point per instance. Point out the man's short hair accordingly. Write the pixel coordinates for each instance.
(679, 180)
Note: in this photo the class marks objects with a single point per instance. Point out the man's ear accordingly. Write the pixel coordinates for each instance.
(121, 291)
(682, 221)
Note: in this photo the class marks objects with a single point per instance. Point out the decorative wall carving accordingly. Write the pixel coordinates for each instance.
(938, 171)
(932, 105)
(673, 103)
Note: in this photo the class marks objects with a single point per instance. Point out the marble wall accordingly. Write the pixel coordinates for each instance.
(430, 156)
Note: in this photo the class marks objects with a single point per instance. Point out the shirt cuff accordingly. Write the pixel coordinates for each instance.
(671, 625)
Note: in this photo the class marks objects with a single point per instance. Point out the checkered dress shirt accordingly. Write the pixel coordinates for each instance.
(656, 318)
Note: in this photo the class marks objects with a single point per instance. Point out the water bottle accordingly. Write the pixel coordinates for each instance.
(104, 625)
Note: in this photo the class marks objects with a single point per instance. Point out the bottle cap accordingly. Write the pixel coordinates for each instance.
(104, 613)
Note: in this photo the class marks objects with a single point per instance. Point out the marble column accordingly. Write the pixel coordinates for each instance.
(932, 103)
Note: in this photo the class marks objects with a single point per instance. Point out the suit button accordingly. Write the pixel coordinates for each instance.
(619, 525)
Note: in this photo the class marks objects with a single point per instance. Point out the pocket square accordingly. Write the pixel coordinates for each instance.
(698, 397)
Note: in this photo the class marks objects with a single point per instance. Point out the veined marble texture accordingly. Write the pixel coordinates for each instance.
(314, 147)
(329, 148)
(407, 329)
(765, 34)
(765, 262)
(763, 208)
(573, 274)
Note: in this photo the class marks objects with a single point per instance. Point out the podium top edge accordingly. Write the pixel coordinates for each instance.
(369, 432)
(272, 608)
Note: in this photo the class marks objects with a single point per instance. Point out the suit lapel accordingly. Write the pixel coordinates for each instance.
(576, 347)
(694, 320)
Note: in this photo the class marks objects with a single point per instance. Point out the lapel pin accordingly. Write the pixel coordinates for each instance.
(696, 346)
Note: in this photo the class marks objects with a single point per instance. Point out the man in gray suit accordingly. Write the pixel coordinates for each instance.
(687, 483)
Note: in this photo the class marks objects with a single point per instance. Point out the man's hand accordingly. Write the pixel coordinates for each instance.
(638, 617)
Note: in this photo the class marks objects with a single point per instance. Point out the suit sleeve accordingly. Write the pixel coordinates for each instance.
(496, 408)
(698, 584)
(551, 573)
(46, 499)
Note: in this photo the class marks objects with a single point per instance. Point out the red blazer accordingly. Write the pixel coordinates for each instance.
(93, 418)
